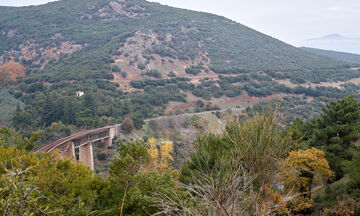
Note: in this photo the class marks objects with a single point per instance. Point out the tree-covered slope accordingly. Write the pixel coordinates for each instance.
(100, 25)
(341, 56)
(133, 57)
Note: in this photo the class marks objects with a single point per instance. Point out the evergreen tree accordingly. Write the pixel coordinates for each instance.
(207, 158)
(125, 108)
(59, 108)
(339, 123)
(69, 116)
(335, 130)
(90, 103)
(19, 118)
(48, 112)
(353, 169)
(84, 118)
(138, 119)
(22, 120)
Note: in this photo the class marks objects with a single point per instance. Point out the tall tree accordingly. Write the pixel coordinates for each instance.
(22, 120)
(304, 168)
(48, 112)
(335, 130)
(128, 125)
(126, 166)
(339, 123)
(69, 116)
(353, 170)
(299, 172)
(90, 103)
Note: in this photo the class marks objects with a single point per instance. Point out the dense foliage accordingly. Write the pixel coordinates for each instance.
(256, 167)
(334, 131)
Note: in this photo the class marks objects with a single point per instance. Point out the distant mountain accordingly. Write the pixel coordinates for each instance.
(342, 56)
(335, 42)
(141, 59)
(330, 37)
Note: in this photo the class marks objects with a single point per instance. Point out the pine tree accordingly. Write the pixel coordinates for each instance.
(339, 123)
(48, 112)
(90, 103)
(21, 119)
(69, 116)
(335, 130)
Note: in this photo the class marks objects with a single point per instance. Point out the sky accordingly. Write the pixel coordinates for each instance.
(292, 21)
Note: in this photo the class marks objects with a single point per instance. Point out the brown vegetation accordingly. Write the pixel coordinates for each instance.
(128, 125)
(11, 72)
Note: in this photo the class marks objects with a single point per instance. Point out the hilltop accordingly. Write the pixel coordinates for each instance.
(141, 59)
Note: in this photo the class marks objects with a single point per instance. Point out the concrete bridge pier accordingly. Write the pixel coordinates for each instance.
(108, 142)
(69, 151)
(86, 155)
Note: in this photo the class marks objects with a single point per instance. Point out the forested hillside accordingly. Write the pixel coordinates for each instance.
(342, 56)
(140, 59)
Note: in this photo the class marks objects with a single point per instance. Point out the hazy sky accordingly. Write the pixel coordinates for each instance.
(289, 20)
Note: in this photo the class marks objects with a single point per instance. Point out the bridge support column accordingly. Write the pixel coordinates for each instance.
(69, 152)
(108, 142)
(86, 155)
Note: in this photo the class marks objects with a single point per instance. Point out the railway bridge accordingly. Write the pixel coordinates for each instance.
(82, 141)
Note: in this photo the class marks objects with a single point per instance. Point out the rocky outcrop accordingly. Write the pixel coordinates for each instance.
(32, 52)
(120, 8)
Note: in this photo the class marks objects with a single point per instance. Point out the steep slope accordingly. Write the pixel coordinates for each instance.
(341, 56)
(133, 57)
(39, 33)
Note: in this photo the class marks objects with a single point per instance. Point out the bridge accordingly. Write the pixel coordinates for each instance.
(82, 141)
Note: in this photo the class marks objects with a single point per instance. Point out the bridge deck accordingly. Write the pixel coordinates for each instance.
(57, 143)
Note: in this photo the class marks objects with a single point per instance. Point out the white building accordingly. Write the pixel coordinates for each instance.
(79, 93)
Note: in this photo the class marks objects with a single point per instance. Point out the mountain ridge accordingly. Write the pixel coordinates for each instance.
(117, 9)
(334, 36)
(158, 58)
(342, 56)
